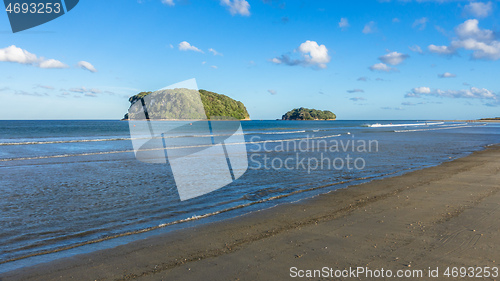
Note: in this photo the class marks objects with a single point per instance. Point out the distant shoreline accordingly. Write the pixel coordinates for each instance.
(471, 121)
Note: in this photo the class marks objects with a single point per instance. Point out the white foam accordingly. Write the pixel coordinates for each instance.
(439, 128)
(155, 149)
(378, 125)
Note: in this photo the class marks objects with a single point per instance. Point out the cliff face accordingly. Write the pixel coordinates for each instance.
(308, 114)
(184, 104)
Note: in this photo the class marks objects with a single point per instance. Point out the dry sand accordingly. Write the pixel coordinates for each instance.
(444, 216)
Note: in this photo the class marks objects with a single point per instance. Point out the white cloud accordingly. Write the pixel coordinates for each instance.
(395, 20)
(470, 30)
(393, 58)
(472, 93)
(382, 67)
(422, 90)
(344, 23)
(447, 75)
(43, 87)
(214, 52)
(185, 46)
(392, 108)
(470, 37)
(355, 91)
(18, 55)
(481, 50)
(408, 103)
(168, 2)
(420, 23)
(370, 27)
(315, 54)
(364, 79)
(51, 63)
(36, 94)
(442, 50)
(357, 99)
(481, 41)
(87, 65)
(312, 54)
(416, 49)
(85, 91)
(214, 66)
(479, 9)
(237, 7)
(78, 90)
(422, 1)
(272, 92)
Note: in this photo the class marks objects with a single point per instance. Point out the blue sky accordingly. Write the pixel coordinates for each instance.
(359, 59)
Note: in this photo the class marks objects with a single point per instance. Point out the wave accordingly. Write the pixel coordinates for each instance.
(278, 133)
(63, 155)
(458, 124)
(155, 149)
(378, 125)
(136, 138)
(61, 141)
(439, 128)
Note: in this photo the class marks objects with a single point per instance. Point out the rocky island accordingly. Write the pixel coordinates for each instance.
(308, 114)
(181, 104)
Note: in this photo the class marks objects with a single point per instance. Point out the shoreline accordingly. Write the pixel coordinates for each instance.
(336, 220)
(471, 121)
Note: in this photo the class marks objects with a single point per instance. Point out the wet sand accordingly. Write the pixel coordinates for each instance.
(444, 216)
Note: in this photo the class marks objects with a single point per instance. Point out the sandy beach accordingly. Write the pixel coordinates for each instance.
(439, 217)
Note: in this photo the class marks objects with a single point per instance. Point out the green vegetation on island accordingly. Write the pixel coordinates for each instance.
(308, 114)
(222, 105)
(184, 104)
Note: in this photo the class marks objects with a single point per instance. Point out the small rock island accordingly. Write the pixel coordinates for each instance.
(308, 114)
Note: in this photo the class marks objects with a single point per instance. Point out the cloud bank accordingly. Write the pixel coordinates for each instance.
(482, 42)
(472, 93)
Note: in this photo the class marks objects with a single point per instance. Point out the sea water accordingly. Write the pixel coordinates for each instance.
(66, 185)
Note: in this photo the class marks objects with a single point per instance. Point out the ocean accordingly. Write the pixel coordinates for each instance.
(70, 187)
